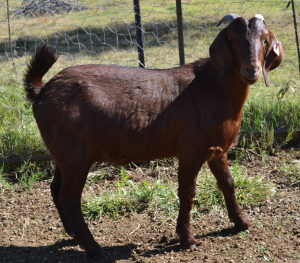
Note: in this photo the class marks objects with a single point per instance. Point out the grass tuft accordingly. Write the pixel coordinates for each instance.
(4, 184)
(28, 174)
(125, 196)
(248, 190)
(291, 172)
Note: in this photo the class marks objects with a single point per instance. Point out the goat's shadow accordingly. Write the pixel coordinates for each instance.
(173, 244)
(63, 251)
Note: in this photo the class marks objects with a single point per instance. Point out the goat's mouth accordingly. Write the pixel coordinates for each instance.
(250, 81)
(251, 75)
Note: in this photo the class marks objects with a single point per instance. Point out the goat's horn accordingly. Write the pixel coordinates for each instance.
(228, 18)
(260, 17)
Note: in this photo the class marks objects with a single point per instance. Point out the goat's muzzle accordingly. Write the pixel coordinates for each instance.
(251, 72)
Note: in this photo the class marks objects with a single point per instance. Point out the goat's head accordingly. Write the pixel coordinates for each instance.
(249, 46)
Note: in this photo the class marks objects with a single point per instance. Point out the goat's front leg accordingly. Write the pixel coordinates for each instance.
(187, 175)
(219, 168)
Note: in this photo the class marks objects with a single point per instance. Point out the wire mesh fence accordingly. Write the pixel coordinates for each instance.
(104, 31)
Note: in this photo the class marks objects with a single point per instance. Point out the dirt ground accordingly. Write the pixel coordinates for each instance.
(30, 230)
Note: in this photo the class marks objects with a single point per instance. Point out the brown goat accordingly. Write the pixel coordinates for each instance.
(107, 113)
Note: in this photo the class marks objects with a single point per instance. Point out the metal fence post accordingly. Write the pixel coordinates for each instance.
(296, 30)
(139, 33)
(180, 32)
(9, 37)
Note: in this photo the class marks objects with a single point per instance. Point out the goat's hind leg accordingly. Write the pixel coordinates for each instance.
(55, 189)
(73, 180)
(219, 167)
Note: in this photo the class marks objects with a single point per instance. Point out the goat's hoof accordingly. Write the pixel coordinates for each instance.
(189, 244)
(242, 226)
(93, 251)
(193, 247)
(70, 234)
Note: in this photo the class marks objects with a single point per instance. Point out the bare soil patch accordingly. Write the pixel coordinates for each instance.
(30, 229)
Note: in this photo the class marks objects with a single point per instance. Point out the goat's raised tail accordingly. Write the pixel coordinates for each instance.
(38, 66)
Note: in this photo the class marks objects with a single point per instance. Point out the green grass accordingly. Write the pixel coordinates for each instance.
(23, 176)
(248, 189)
(269, 115)
(28, 174)
(18, 130)
(4, 183)
(125, 196)
(290, 171)
(261, 114)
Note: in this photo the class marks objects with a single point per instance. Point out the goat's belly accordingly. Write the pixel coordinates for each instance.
(124, 154)
(122, 159)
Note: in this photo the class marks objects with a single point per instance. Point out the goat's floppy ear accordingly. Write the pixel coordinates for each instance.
(221, 54)
(273, 57)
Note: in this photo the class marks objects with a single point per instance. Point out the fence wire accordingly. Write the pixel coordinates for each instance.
(104, 31)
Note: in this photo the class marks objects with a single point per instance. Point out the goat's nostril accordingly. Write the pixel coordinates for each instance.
(252, 71)
(249, 70)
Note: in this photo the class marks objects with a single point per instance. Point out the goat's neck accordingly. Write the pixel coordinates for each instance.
(238, 91)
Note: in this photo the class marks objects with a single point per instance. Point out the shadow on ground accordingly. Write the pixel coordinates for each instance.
(66, 251)
(61, 251)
